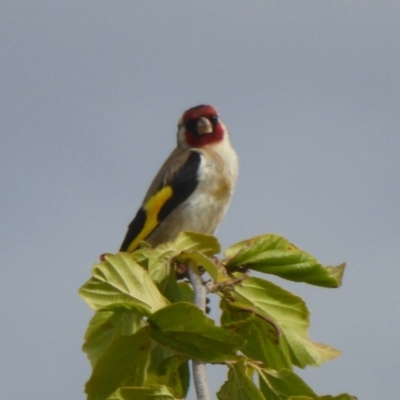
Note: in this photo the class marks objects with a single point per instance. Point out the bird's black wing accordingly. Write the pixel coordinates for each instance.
(175, 182)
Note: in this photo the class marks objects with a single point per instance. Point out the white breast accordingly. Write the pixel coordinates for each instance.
(217, 178)
(204, 210)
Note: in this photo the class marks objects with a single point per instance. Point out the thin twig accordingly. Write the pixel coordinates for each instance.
(198, 367)
(216, 287)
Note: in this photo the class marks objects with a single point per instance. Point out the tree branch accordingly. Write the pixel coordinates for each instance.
(198, 367)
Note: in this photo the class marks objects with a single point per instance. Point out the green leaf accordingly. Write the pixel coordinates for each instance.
(273, 254)
(241, 251)
(274, 332)
(186, 292)
(262, 343)
(193, 241)
(239, 385)
(185, 328)
(277, 385)
(104, 327)
(150, 258)
(202, 260)
(290, 314)
(134, 393)
(123, 363)
(119, 283)
(168, 368)
(157, 261)
(170, 371)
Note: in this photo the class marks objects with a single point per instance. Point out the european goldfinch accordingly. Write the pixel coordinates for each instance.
(193, 188)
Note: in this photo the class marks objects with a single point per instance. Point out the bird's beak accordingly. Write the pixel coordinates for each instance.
(204, 126)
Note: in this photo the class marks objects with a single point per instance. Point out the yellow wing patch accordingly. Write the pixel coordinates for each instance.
(152, 208)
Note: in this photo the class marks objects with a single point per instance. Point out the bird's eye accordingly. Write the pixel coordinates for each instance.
(214, 119)
(191, 125)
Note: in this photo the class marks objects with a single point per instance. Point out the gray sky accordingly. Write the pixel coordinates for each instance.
(90, 96)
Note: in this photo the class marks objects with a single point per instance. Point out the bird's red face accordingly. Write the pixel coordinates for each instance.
(201, 126)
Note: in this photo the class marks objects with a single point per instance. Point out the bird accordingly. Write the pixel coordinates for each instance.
(193, 188)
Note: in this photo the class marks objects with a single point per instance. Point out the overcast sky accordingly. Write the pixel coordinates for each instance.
(90, 96)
